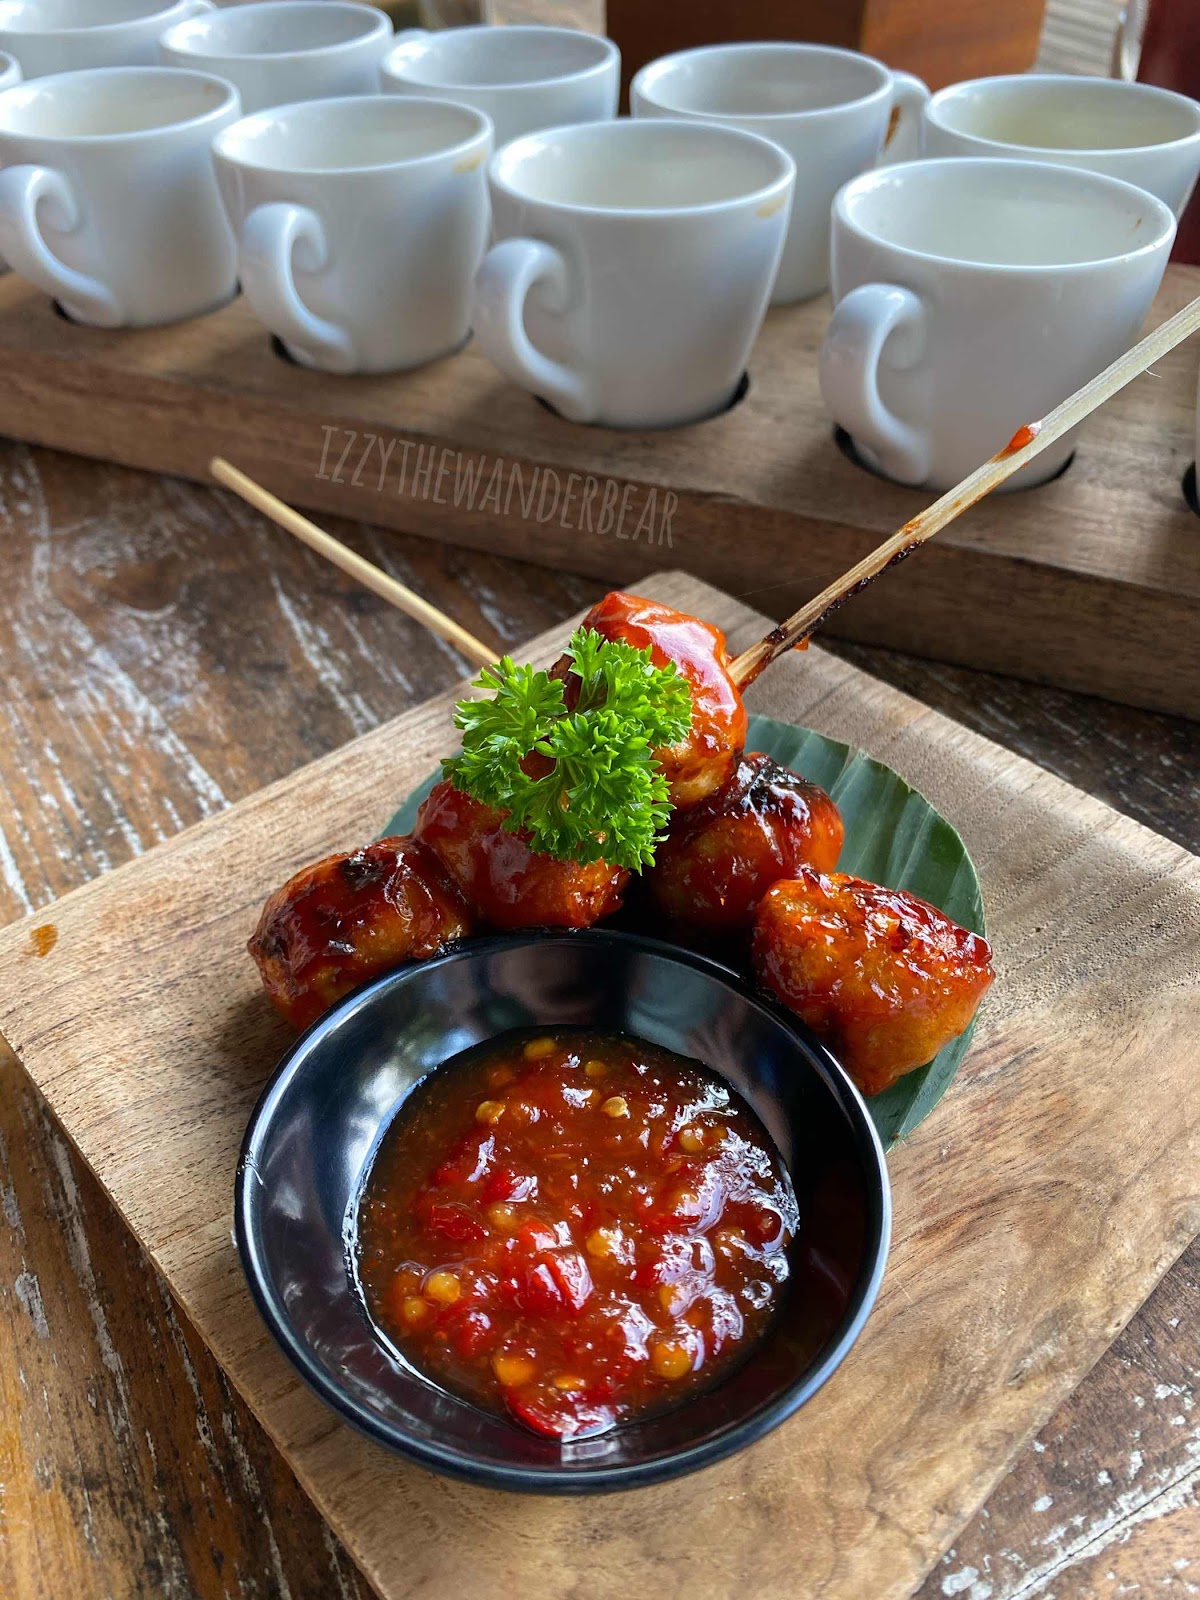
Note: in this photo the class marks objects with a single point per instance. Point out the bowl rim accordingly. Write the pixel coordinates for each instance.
(454, 1463)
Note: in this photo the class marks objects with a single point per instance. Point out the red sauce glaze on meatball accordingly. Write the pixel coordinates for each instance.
(352, 917)
(509, 884)
(702, 761)
(885, 979)
(722, 856)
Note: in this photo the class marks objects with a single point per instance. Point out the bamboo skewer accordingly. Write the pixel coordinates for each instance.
(354, 565)
(1027, 443)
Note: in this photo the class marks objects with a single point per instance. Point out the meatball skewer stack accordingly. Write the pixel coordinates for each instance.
(883, 977)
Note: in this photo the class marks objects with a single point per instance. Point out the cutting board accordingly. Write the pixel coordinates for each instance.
(1034, 1210)
(759, 500)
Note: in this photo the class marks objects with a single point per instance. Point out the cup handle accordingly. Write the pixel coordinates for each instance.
(510, 270)
(1127, 41)
(863, 323)
(22, 191)
(903, 142)
(271, 237)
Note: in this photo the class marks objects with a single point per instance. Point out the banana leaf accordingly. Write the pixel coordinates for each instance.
(894, 837)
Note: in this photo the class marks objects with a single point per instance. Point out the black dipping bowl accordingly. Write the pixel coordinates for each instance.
(316, 1128)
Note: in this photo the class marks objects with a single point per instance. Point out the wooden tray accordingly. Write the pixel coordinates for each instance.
(1034, 1210)
(1091, 582)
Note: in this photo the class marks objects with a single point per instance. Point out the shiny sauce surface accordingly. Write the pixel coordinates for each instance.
(577, 1229)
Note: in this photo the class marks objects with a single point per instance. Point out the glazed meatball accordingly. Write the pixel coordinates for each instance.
(352, 917)
(883, 978)
(509, 884)
(702, 761)
(722, 856)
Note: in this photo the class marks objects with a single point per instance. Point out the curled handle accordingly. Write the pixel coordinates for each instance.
(273, 238)
(909, 98)
(863, 324)
(26, 194)
(510, 271)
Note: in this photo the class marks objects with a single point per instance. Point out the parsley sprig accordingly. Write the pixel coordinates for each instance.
(605, 797)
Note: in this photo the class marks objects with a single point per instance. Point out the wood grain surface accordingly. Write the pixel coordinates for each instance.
(987, 36)
(759, 500)
(1004, 1282)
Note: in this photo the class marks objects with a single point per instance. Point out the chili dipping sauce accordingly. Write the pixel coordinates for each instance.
(578, 1229)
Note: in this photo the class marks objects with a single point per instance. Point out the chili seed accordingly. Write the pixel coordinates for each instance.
(506, 1218)
(489, 1111)
(442, 1287)
(615, 1106)
(499, 1076)
(539, 1049)
(691, 1139)
(568, 1383)
(595, 1069)
(512, 1370)
(414, 1310)
(602, 1243)
(670, 1358)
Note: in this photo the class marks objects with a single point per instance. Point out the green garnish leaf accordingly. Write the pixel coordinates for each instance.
(604, 797)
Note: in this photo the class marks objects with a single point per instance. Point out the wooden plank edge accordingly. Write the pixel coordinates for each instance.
(956, 603)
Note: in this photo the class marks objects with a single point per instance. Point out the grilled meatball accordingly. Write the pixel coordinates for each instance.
(351, 917)
(704, 759)
(722, 856)
(883, 978)
(507, 883)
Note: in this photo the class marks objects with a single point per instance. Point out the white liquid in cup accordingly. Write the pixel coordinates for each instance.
(522, 77)
(51, 36)
(1132, 131)
(108, 201)
(360, 224)
(829, 109)
(633, 266)
(972, 296)
(276, 52)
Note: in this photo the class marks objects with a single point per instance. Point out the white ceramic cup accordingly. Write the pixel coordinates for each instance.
(276, 52)
(49, 36)
(634, 266)
(523, 77)
(10, 73)
(360, 224)
(108, 200)
(970, 297)
(1133, 131)
(829, 109)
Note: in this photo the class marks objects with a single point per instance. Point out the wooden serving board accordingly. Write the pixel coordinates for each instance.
(1091, 582)
(1034, 1210)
